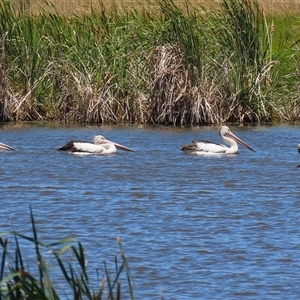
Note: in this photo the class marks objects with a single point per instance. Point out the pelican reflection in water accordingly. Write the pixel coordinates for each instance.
(100, 145)
(203, 147)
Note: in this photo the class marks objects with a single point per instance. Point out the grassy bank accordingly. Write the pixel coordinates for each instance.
(177, 64)
(69, 7)
(35, 276)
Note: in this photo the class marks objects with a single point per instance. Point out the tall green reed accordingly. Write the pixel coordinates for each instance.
(22, 277)
(242, 39)
(183, 29)
(285, 85)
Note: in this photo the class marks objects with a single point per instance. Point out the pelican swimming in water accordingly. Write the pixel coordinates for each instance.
(5, 147)
(299, 152)
(211, 148)
(100, 145)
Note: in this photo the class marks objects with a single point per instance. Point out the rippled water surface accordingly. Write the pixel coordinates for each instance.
(192, 227)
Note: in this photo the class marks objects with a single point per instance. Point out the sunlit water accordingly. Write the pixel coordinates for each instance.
(192, 227)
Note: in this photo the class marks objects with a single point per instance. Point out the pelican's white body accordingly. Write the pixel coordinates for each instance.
(204, 148)
(83, 147)
(100, 145)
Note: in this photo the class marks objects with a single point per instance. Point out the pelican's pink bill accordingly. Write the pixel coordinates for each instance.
(119, 146)
(238, 140)
(6, 147)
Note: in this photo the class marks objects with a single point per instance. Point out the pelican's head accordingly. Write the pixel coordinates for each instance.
(223, 130)
(226, 134)
(99, 139)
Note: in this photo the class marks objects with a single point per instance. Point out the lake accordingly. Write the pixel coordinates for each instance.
(221, 227)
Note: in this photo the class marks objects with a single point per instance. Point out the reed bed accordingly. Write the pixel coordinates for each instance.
(175, 64)
(32, 277)
(68, 7)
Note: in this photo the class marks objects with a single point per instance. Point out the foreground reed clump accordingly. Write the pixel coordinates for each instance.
(168, 66)
(20, 279)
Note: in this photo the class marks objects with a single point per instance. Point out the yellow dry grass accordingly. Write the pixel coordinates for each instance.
(85, 6)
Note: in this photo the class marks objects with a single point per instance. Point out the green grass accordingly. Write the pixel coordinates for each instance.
(175, 65)
(26, 277)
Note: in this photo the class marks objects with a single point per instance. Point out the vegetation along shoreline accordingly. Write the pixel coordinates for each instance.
(175, 65)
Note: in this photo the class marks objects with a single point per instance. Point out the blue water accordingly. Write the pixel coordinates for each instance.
(192, 227)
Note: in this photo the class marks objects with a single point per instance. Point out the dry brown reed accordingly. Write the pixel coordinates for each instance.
(67, 7)
(2, 77)
(177, 99)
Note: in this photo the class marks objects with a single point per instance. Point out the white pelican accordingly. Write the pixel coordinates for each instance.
(100, 145)
(211, 148)
(5, 147)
